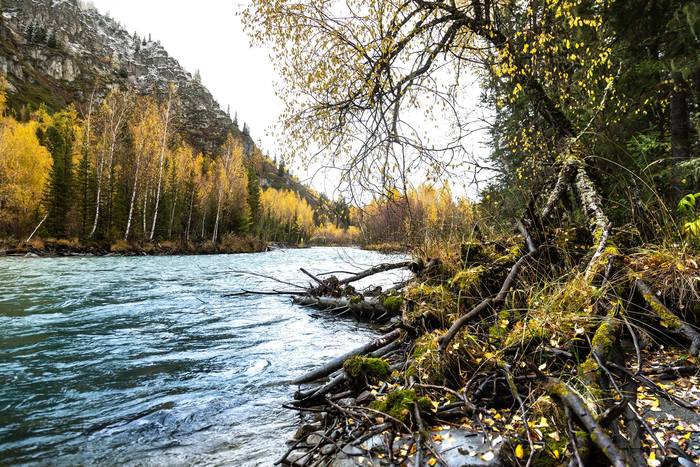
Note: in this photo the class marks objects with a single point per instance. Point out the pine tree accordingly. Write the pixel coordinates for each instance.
(281, 169)
(40, 35)
(29, 32)
(253, 195)
(52, 41)
(59, 138)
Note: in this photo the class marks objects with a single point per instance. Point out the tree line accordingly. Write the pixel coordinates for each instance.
(121, 172)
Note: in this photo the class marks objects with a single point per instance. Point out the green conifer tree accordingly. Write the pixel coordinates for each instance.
(58, 139)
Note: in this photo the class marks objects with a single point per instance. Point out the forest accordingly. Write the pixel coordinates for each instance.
(121, 175)
(559, 313)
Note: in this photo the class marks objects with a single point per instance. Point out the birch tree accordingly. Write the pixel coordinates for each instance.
(163, 148)
(114, 112)
(142, 127)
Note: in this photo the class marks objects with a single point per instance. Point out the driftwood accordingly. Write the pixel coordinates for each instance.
(375, 270)
(368, 309)
(337, 362)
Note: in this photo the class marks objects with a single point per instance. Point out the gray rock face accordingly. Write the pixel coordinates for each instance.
(64, 48)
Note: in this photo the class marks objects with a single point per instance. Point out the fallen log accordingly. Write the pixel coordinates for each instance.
(341, 377)
(668, 318)
(375, 270)
(568, 398)
(337, 362)
(368, 308)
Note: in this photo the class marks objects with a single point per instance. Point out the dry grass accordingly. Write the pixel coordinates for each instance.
(674, 273)
(120, 246)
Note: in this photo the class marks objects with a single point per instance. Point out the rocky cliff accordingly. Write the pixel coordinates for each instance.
(58, 51)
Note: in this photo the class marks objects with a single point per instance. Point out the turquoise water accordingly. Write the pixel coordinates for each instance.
(145, 361)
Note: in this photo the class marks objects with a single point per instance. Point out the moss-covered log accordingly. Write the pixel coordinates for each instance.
(669, 320)
(566, 396)
(338, 362)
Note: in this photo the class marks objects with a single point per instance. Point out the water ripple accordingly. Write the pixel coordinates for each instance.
(145, 361)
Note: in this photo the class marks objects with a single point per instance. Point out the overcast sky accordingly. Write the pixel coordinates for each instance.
(208, 35)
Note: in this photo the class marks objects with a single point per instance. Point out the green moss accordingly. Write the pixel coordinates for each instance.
(393, 303)
(399, 404)
(426, 361)
(588, 367)
(435, 300)
(668, 319)
(426, 292)
(601, 345)
(369, 367)
(355, 299)
(552, 454)
(526, 333)
(467, 280)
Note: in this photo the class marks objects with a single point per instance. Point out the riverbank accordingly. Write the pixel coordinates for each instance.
(230, 245)
(73, 247)
(480, 367)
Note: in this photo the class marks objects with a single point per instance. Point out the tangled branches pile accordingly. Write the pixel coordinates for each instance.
(538, 337)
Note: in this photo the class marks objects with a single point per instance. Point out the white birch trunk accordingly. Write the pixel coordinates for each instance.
(218, 214)
(145, 208)
(189, 218)
(172, 214)
(100, 170)
(162, 158)
(133, 196)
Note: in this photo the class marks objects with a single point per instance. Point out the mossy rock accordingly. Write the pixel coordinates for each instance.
(368, 367)
(393, 304)
(399, 404)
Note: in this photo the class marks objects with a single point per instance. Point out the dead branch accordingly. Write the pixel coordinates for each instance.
(486, 303)
(375, 270)
(668, 318)
(337, 362)
(562, 393)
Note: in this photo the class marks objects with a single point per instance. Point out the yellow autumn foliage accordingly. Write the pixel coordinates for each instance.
(287, 207)
(24, 169)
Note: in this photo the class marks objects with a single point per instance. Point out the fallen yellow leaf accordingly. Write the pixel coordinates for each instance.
(519, 451)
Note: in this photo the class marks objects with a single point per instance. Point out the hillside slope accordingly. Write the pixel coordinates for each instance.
(57, 52)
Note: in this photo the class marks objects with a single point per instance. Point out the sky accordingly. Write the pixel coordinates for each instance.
(208, 35)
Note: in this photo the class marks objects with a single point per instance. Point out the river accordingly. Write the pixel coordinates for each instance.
(146, 361)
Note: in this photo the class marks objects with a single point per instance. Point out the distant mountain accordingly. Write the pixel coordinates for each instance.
(56, 52)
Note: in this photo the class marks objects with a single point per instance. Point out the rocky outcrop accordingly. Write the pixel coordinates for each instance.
(57, 51)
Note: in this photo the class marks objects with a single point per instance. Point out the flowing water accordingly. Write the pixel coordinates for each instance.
(146, 361)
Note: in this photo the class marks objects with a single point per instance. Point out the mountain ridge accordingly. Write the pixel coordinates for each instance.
(58, 52)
